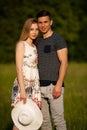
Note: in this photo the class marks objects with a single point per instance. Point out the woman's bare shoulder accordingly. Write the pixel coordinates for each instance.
(20, 44)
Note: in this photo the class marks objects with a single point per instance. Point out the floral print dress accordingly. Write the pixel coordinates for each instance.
(31, 77)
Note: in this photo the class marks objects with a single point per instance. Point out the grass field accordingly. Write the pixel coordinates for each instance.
(75, 97)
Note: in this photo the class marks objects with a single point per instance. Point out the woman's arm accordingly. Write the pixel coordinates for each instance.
(19, 64)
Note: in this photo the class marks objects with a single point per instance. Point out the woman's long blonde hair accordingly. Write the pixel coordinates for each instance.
(26, 29)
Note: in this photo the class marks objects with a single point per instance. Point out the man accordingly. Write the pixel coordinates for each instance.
(53, 62)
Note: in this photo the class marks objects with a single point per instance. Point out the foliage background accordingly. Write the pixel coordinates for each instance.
(70, 21)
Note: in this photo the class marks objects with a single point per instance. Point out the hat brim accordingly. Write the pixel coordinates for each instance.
(33, 108)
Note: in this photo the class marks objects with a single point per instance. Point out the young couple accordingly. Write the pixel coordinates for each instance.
(49, 52)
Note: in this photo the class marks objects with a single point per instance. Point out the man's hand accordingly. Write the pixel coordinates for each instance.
(57, 91)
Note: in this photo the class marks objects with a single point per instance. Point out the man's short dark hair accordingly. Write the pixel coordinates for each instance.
(43, 13)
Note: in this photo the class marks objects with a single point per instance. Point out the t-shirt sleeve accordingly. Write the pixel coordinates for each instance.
(60, 43)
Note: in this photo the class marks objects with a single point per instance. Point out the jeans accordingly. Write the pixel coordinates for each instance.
(54, 107)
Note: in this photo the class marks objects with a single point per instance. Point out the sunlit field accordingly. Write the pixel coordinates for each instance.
(75, 97)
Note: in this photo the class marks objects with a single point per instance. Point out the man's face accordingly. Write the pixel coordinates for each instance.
(44, 24)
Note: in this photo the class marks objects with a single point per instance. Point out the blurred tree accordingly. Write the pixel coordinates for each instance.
(70, 21)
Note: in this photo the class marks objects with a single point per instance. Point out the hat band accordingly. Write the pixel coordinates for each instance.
(23, 124)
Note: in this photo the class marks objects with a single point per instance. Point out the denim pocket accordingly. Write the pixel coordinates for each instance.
(50, 91)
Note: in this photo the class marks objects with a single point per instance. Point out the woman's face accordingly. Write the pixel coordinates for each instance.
(34, 31)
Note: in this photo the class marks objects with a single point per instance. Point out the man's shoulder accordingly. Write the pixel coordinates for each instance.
(57, 36)
(59, 41)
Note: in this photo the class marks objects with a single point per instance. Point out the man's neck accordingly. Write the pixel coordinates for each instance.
(48, 34)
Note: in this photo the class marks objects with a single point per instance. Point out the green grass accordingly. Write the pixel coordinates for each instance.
(7, 75)
(75, 97)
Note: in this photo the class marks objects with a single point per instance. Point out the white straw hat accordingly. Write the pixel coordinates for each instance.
(27, 116)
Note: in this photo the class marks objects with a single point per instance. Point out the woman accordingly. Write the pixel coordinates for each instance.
(26, 85)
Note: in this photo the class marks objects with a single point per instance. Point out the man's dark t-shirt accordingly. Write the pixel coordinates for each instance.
(49, 63)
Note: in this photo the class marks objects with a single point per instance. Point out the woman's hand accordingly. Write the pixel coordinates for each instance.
(23, 96)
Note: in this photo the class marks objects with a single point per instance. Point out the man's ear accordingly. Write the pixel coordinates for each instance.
(51, 22)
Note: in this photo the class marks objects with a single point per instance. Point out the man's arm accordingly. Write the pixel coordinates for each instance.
(63, 58)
